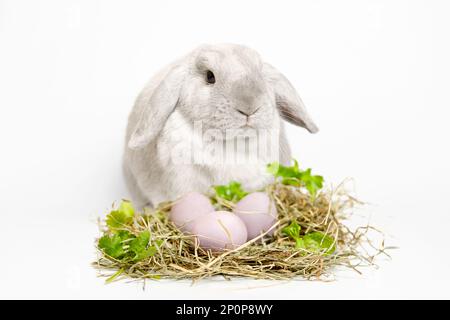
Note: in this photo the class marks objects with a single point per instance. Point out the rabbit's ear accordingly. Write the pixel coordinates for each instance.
(288, 101)
(157, 108)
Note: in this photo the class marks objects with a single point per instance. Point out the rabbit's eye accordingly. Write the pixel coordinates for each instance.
(210, 77)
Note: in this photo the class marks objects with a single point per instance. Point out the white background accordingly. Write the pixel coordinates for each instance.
(375, 76)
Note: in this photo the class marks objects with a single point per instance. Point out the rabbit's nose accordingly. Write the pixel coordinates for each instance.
(247, 112)
(242, 112)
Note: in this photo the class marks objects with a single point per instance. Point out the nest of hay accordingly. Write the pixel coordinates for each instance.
(276, 257)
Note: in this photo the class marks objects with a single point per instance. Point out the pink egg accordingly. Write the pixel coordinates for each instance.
(188, 208)
(258, 213)
(219, 230)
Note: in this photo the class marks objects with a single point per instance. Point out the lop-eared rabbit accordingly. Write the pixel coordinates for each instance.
(185, 129)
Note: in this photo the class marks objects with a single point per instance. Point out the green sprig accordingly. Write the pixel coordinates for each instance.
(121, 244)
(314, 241)
(293, 175)
(231, 192)
(121, 217)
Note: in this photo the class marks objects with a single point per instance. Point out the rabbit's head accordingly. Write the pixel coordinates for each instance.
(222, 87)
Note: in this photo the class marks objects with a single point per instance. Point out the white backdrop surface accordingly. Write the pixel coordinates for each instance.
(373, 74)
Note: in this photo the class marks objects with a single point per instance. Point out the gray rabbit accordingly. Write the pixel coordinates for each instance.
(186, 122)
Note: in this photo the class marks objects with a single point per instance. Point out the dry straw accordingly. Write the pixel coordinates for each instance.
(275, 257)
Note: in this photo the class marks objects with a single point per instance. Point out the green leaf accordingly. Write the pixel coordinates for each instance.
(295, 166)
(149, 252)
(126, 207)
(273, 168)
(292, 182)
(140, 242)
(231, 192)
(279, 170)
(294, 176)
(221, 191)
(312, 183)
(292, 230)
(300, 243)
(112, 246)
(139, 246)
(121, 217)
(314, 241)
(319, 242)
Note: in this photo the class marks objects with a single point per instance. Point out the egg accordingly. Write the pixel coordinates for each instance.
(219, 230)
(189, 207)
(258, 213)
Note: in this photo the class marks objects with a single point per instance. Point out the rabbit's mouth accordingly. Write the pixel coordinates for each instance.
(247, 126)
